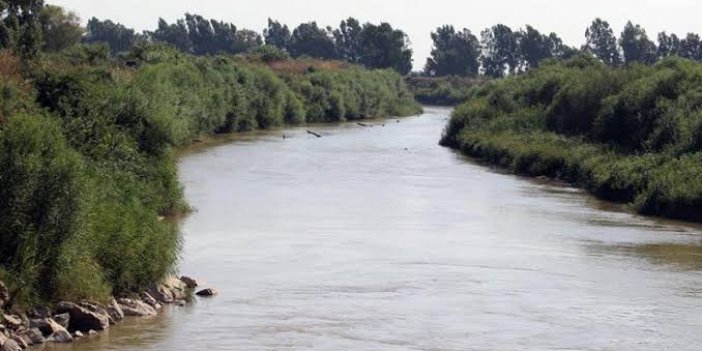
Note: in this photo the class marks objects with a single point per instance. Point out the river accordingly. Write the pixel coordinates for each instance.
(379, 239)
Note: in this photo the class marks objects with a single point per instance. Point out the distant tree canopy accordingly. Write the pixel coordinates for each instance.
(500, 51)
(382, 46)
(118, 37)
(197, 35)
(348, 40)
(60, 29)
(308, 39)
(20, 29)
(690, 47)
(504, 51)
(668, 45)
(277, 34)
(636, 46)
(535, 47)
(29, 26)
(602, 43)
(454, 53)
(374, 46)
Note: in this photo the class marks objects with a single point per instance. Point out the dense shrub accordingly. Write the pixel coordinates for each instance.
(41, 185)
(442, 91)
(631, 134)
(87, 154)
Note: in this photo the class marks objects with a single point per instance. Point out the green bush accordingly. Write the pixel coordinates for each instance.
(41, 188)
(88, 169)
(631, 134)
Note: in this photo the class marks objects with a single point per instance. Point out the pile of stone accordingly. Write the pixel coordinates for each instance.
(68, 321)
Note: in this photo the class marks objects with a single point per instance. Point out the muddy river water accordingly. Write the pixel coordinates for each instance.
(376, 238)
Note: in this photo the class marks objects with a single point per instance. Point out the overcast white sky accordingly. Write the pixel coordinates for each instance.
(568, 18)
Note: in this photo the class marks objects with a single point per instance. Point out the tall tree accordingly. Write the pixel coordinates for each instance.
(5, 32)
(602, 43)
(246, 40)
(382, 46)
(348, 40)
(223, 37)
(558, 49)
(60, 29)
(308, 39)
(636, 45)
(20, 28)
(535, 47)
(500, 51)
(200, 36)
(690, 47)
(277, 35)
(118, 37)
(668, 45)
(175, 34)
(454, 53)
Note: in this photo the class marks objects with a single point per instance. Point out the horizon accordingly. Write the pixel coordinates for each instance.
(567, 19)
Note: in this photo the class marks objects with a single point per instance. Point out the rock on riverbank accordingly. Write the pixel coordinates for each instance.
(68, 321)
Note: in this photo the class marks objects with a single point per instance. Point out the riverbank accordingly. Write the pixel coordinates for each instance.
(80, 221)
(443, 91)
(66, 322)
(629, 135)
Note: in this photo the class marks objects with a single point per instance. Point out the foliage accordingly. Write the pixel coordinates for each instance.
(382, 46)
(454, 53)
(374, 46)
(39, 180)
(500, 51)
(60, 29)
(348, 40)
(270, 54)
(118, 37)
(87, 164)
(602, 43)
(442, 91)
(629, 134)
(20, 29)
(636, 45)
(277, 35)
(197, 35)
(308, 39)
(536, 47)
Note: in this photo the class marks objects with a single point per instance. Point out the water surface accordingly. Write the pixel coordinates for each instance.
(379, 239)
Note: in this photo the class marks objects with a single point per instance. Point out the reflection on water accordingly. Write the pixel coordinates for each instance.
(679, 256)
(379, 239)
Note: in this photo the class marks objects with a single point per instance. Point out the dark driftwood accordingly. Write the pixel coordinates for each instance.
(313, 133)
(364, 124)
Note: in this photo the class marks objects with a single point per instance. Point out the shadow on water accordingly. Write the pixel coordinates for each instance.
(134, 333)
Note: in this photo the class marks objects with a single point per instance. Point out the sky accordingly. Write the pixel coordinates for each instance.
(417, 18)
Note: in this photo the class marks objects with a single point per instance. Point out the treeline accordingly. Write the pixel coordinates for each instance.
(87, 143)
(374, 46)
(30, 26)
(502, 51)
(631, 134)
